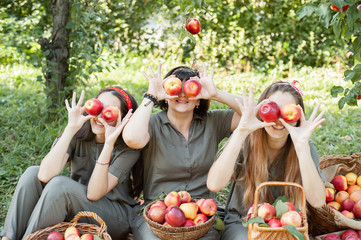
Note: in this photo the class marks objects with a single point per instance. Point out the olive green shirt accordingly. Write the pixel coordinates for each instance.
(83, 155)
(235, 208)
(171, 163)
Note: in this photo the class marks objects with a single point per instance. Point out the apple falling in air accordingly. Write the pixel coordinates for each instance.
(193, 26)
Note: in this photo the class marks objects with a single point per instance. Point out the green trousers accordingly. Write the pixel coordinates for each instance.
(36, 205)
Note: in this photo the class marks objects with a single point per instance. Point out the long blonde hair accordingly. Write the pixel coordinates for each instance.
(255, 168)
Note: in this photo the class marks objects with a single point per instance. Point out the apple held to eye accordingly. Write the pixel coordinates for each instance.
(192, 88)
(93, 106)
(269, 111)
(172, 86)
(110, 114)
(290, 113)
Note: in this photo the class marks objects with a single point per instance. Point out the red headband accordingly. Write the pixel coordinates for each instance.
(293, 83)
(125, 95)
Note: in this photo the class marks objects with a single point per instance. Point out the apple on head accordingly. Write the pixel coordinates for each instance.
(193, 26)
(290, 113)
(172, 86)
(191, 88)
(93, 106)
(110, 114)
(269, 111)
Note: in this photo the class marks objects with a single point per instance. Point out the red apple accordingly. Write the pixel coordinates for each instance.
(335, 8)
(347, 204)
(73, 237)
(275, 222)
(70, 231)
(87, 236)
(267, 212)
(330, 194)
(291, 218)
(340, 183)
(341, 196)
(172, 86)
(351, 178)
(54, 235)
(291, 207)
(93, 106)
(200, 218)
(269, 111)
(290, 113)
(353, 188)
(174, 216)
(184, 196)
(193, 26)
(357, 209)
(356, 196)
(157, 214)
(348, 233)
(191, 88)
(348, 214)
(189, 223)
(335, 205)
(159, 204)
(110, 114)
(172, 199)
(190, 210)
(332, 236)
(199, 203)
(209, 207)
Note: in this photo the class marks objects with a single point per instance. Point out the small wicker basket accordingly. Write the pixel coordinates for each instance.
(176, 233)
(82, 227)
(324, 220)
(255, 232)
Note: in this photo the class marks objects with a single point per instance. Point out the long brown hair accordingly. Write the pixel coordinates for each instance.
(255, 168)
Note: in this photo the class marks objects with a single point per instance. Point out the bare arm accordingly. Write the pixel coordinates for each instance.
(54, 162)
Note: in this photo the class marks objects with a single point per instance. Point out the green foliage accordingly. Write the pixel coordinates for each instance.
(346, 25)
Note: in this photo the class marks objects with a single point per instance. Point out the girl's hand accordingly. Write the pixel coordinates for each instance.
(156, 83)
(76, 119)
(112, 132)
(249, 121)
(303, 133)
(208, 88)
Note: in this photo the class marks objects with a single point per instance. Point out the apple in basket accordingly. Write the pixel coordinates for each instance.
(73, 237)
(185, 197)
(54, 235)
(208, 207)
(174, 216)
(291, 218)
(349, 234)
(172, 199)
(71, 231)
(87, 236)
(157, 214)
(332, 236)
(267, 212)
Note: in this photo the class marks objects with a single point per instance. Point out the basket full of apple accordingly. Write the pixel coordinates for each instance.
(179, 216)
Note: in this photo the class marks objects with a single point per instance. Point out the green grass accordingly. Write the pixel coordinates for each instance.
(26, 137)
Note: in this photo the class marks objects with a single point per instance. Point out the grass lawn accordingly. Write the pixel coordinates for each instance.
(27, 137)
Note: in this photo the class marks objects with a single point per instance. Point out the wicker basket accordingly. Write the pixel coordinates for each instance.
(255, 232)
(82, 227)
(324, 220)
(176, 233)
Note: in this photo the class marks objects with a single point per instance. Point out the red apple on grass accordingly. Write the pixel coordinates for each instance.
(193, 26)
(174, 216)
(269, 111)
(191, 88)
(200, 218)
(157, 214)
(172, 86)
(332, 236)
(93, 106)
(184, 196)
(110, 114)
(290, 113)
(208, 207)
(54, 235)
(172, 199)
(267, 212)
(340, 183)
(275, 222)
(291, 218)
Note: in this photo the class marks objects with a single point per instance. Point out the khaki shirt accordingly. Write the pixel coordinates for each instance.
(172, 164)
(83, 155)
(235, 208)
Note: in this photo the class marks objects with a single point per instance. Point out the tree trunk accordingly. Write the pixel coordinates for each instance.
(56, 51)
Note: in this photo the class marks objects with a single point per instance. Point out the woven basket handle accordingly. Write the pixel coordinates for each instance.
(277, 183)
(103, 226)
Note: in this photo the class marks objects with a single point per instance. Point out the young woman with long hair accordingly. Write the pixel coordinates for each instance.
(100, 164)
(259, 151)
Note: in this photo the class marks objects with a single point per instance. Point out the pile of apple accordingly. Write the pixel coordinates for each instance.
(346, 195)
(178, 210)
(71, 233)
(348, 234)
(269, 215)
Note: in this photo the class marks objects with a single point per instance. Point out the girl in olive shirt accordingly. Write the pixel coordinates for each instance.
(180, 143)
(259, 151)
(100, 169)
